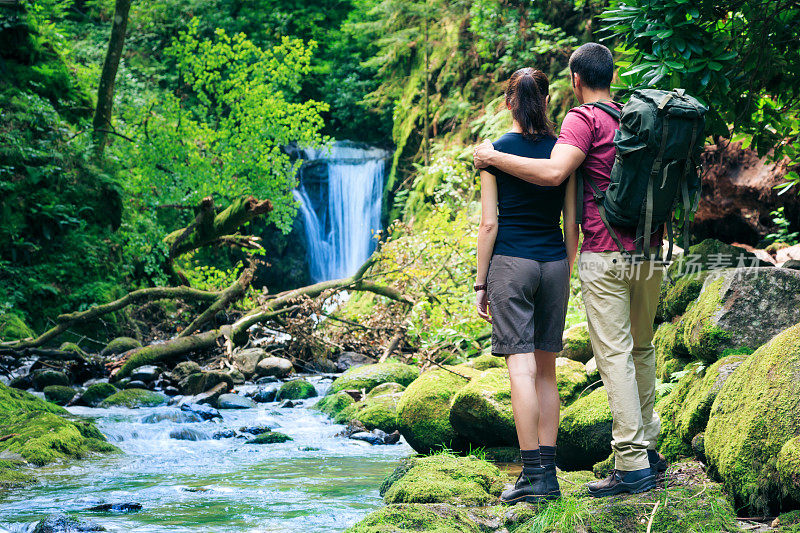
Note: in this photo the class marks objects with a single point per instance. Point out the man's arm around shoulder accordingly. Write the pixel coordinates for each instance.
(563, 161)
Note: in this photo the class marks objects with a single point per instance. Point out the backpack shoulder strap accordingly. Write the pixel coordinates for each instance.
(611, 110)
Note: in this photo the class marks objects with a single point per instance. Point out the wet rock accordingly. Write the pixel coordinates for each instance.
(58, 394)
(95, 394)
(200, 382)
(125, 507)
(288, 404)
(133, 398)
(173, 415)
(62, 523)
(270, 437)
(255, 430)
(187, 434)
(266, 380)
(352, 427)
(203, 411)
(347, 360)
(171, 391)
(577, 345)
(263, 395)
(275, 367)
(376, 437)
(147, 373)
(184, 370)
(224, 434)
(135, 384)
(120, 345)
(296, 389)
(234, 401)
(237, 377)
(45, 378)
(246, 360)
(369, 376)
(211, 396)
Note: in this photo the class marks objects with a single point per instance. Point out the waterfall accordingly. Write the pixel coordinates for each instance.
(343, 214)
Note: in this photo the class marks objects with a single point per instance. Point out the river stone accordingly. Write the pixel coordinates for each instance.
(377, 410)
(187, 434)
(423, 412)
(584, 433)
(481, 411)
(754, 415)
(209, 396)
(271, 437)
(171, 391)
(369, 376)
(257, 430)
(224, 434)
(123, 507)
(203, 411)
(200, 382)
(237, 377)
(73, 348)
(577, 345)
(120, 345)
(277, 367)
(96, 393)
(133, 398)
(333, 404)
(59, 394)
(45, 378)
(135, 384)
(375, 437)
(741, 308)
(234, 401)
(146, 373)
(173, 415)
(264, 395)
(348, 360)
(296, 389)
(184, 370)
(246, 360)
(61, 523)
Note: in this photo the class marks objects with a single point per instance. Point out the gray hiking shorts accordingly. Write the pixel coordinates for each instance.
(528, 302)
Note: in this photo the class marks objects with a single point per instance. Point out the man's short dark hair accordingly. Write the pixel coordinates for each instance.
(594, 63)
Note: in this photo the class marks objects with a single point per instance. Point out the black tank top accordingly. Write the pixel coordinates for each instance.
(529, 215)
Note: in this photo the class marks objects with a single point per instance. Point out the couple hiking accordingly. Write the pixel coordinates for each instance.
(528, 178)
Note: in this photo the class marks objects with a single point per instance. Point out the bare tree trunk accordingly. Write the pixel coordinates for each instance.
(105, 91)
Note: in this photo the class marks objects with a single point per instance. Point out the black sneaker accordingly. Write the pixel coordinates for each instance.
(615, 483)
(658, 463)
(532, 486)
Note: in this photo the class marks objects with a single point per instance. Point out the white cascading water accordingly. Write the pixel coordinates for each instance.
(340, 232)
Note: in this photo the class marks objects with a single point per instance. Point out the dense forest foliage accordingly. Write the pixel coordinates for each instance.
(210, 94)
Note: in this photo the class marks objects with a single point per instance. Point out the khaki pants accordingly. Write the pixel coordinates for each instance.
(621, 301)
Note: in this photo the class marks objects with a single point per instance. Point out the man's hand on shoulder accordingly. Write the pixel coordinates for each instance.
(482, 153)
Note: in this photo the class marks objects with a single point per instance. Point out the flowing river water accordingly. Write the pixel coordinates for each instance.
(315, 483)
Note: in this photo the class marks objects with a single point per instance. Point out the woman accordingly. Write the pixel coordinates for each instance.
(523, 271)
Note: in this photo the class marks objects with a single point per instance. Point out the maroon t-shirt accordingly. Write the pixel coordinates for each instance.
(592, 131)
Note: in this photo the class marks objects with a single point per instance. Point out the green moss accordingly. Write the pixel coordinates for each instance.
(671, 354)
(45, 378)
(59, 394)
(584, 433)
(270, 437)
(13, 475)
(678, 296)
(789, 522)
(401, 518)
(710, 254)
(96, 393)
(296, 389)
(700, 336)
(72, 348)
(333, 404)
(424, 409)
(185, 369)
(120, 345)
(577, 345)
(602, 468)
(447, 478)
(368, 376)
(571, 379)
(133, 398)
(377, 410)
(755, 413)
(789, 468)
(502, 454)
(200, 382)
(486, 361)
(13, 328)
(481, 411)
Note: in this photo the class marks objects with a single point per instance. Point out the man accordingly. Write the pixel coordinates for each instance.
(620, 296)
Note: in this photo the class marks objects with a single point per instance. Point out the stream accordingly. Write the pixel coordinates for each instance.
(315, 483)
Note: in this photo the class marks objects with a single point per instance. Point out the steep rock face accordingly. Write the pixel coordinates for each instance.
(738, 196)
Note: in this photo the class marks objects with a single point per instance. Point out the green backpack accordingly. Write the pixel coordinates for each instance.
(658, 147)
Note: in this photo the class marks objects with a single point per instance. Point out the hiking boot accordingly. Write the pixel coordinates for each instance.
(658, 463)
(618, 482)
(532, 486)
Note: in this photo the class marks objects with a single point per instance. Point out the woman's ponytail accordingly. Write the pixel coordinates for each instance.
(525, 98)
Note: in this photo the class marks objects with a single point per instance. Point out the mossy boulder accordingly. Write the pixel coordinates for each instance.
(40, 433)
(185, 369)
(423, 412)
(333, 404)
(684, 412)
(13, 328)
(200, 382)
(677, 296)
(270, 437)
(571, 378)
(481, 411)
(71, 347)
(671, 354)
(120, 345)
(367, 377)
(377, 410)
(46, 378)
(584, 433)
(96, 393)
(414, 517)
(486, 361)
(712, 254)
(741, 308)
(59, 394)
(446, 478)
(296, 389)
(577, 345)
(133, 398)
(789, 467)
(754, 415)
